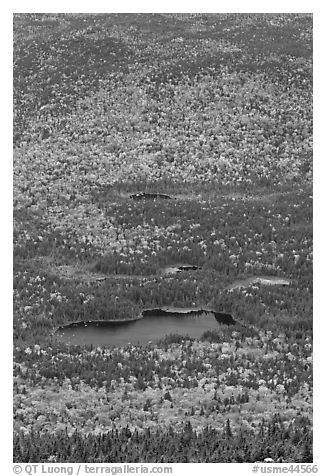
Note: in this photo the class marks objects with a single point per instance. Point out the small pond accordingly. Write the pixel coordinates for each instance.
(155, 325)
(149, 196)
(178, 268)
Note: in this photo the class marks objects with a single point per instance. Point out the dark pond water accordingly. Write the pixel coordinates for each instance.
(141, 331)
(149, 196)
(177, 268)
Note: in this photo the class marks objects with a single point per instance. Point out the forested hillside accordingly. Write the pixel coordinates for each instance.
(215, 111)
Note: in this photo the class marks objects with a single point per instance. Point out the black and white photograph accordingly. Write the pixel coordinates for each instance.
(162, 241)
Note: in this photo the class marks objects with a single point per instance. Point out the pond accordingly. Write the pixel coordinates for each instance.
(153, 326)
(178, 268)
(149, 196)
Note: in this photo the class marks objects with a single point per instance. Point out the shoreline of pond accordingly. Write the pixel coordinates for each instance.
(164, 311)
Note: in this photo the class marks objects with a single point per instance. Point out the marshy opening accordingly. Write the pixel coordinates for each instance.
(264, 280)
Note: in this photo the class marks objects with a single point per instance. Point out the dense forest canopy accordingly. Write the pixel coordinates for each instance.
(215, 112)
